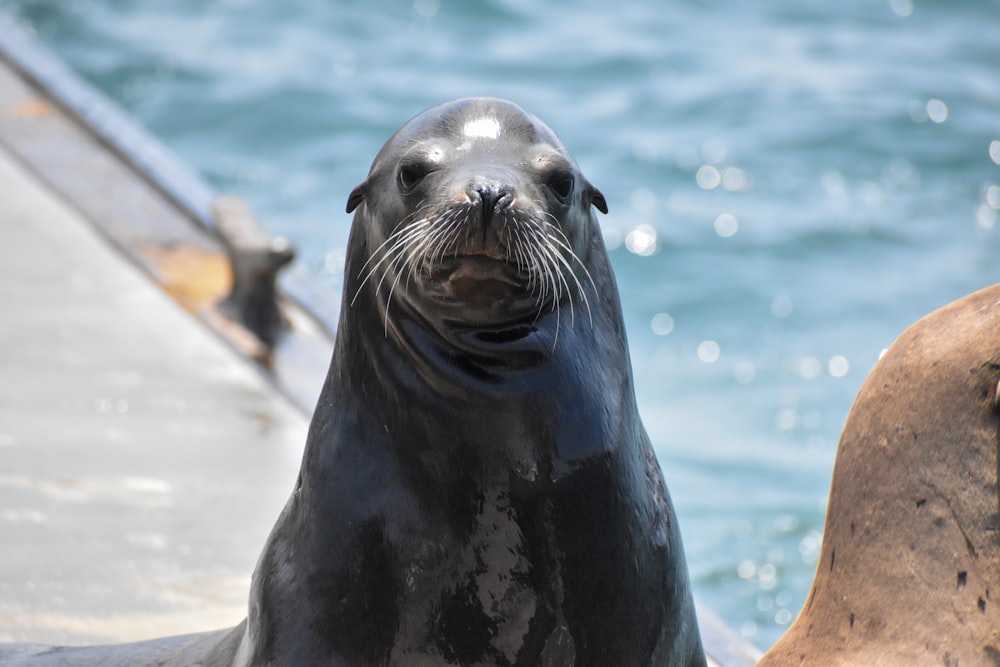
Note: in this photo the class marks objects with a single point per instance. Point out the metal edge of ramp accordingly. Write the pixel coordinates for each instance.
(113, 126)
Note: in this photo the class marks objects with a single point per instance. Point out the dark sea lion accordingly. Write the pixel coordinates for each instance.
(477, 487)
(909, 572)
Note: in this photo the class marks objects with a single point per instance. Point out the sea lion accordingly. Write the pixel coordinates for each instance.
(477, 487)
(909, 571)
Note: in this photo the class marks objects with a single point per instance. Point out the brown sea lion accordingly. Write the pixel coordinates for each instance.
(910, 566)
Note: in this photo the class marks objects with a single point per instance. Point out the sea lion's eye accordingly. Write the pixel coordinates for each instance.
(410, 175)
(562, 185)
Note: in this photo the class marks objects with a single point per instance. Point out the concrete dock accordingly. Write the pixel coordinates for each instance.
(142, 460)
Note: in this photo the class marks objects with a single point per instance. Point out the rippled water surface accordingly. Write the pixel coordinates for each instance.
(791, 185)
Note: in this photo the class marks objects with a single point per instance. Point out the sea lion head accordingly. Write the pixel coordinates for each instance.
(474, 214)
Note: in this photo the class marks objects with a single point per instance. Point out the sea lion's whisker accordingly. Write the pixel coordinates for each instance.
(558, 256)
(415, 253)
(556, 259)
(518, 251)
(410, 250)
(398, 240)
(526, 261)
(541, 267)
(542, 254)
(396, 253)
(387, 247)
(446, 235)
(398, 229)
(560, 239)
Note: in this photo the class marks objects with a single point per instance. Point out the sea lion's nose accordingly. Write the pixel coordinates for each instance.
(494, 196)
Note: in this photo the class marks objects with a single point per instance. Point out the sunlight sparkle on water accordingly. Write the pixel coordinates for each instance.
(986, 217)
(726, 225)
(767, 575)
(744, 372)
(839, 366)
(809, 546)
(993, 196)
(782, 306)
(709, 351)
(734, 179)
(662, 324)
(902, 8)
(987, 212)
(641, 240)
(809, 368)
(937, 111)
(708, 177)
(786, 419)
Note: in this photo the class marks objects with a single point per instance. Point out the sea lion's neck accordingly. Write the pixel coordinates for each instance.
(541, 401)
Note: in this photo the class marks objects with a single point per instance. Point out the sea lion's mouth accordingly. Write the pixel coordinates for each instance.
(475, 273)
(479, 289)
(505, 335)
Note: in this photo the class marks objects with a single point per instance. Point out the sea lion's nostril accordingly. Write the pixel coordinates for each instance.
(493, 197)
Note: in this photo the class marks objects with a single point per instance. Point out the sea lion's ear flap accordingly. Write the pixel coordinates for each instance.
(598, 200)
(357, 196)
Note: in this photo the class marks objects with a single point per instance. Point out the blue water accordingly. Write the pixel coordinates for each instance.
(791, 185)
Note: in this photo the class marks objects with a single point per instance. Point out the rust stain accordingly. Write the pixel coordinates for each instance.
(197, 280)
(194, 278)
(36, 108)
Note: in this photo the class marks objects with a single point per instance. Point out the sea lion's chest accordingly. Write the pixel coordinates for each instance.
(486, 596)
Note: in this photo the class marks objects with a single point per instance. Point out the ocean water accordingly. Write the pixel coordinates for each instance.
(791, 185)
